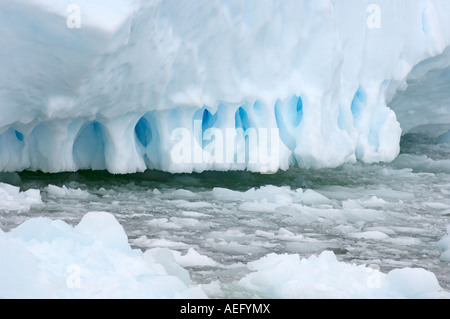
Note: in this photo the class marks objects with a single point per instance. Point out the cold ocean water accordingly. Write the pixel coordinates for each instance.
(387, 215)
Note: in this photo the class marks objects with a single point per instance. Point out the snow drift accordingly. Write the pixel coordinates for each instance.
(111, 94)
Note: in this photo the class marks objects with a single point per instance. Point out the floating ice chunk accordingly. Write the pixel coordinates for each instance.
(183, 193)
(66, 192)
(145, 242)
(262, 206)
(284, 232)
(18, 270)
(50, 259)
(313, 197)
(364, 214)
(422, 163)
(163, 223)
(444, 244)
(194, 205)
(41, 229)
(323, 276)
(12, 199)
(195, 214)
(374, 201)
(408, 230)
(404, 241)
(372, 235)
(266, 234)
(414, 283)
(386, 230)
(166, 257)
(102, 227)
(193, 259)
(188, 222)
(435, 205)
(266, 198)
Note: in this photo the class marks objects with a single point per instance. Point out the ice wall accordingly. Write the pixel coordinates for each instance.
(196, 85)
(425, 102)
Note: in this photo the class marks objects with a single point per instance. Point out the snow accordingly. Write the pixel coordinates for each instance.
(13, 200)
(308, 82)
(323, 276)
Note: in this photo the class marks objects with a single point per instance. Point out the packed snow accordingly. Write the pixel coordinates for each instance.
(181, 86)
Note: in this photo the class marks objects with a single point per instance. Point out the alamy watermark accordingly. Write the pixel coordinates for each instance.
(226, 146)
(374, 278)
(373, 20)
(73, 280)
(74, 18)
(374, 16)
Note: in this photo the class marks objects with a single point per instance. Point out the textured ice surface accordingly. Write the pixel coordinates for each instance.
(66, 192)
(110, 94)
(444, 243)
(289, 276)
(426, 101)
(12, 199)
(50, 259)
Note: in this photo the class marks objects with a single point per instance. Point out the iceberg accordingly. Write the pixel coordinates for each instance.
(189, 86)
